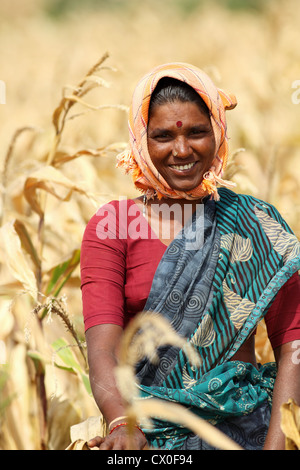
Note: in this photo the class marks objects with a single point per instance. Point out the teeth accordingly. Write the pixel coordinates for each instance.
(183, 167)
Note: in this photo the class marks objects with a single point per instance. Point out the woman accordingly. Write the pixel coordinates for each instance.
(211, 261)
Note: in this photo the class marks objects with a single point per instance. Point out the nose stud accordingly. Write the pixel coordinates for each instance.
(174, 153)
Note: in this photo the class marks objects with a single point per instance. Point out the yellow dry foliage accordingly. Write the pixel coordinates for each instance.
(290, 424)
(61, 129)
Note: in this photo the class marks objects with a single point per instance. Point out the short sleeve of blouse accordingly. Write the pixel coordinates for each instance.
(283, 317)
(103, 260)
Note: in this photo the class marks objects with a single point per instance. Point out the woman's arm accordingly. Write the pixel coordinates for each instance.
(103, 343)
(287, 385)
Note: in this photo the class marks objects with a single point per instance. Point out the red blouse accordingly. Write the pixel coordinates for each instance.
(119, 256)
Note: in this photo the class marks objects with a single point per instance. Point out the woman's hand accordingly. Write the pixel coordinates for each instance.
(120, 440)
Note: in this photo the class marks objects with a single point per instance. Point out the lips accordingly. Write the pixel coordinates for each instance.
(185, 167)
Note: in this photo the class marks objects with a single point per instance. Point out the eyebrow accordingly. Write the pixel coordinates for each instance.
(158, 130)
(199, 127)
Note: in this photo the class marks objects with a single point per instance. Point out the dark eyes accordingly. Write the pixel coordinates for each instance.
(197, 131)
(162, 136)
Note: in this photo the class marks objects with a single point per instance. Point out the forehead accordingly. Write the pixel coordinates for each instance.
(177, 111)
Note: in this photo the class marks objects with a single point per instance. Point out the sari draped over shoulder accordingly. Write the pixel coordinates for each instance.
(214, 284)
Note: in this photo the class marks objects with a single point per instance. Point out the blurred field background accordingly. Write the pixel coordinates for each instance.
(249, 47)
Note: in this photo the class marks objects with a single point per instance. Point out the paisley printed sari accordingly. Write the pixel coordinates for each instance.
(214, 294)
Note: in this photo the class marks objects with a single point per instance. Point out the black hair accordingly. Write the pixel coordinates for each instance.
(170, 90)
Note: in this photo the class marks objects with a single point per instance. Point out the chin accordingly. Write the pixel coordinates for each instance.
(185, 187)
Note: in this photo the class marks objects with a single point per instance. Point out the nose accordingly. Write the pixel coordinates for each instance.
(181, 147)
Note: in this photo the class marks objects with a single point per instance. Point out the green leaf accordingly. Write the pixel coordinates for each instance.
(86, 383)
(63, 350)
(67, 369)
(61, 273)
(38, 361)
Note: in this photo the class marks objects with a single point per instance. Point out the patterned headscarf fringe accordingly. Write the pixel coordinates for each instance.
(126, 160)
(210, 181)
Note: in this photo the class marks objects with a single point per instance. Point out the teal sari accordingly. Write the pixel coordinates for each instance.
(214, 289)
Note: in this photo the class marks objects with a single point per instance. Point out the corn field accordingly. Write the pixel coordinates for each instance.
(67, 74)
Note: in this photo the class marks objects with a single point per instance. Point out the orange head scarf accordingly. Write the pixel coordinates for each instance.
(137, 160)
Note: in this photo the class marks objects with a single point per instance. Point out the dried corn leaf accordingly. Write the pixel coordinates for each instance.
(62, 415)
(263, 348)
(26, 242)
(52, 181)
(77, 99)
(98, 81)
(97, 66)
(62, 107)
(18, 419)
(15, 258)
(9, 289)
(290, 424)
(78, 445)
(63, 157)
(60, 113)
(6, 319)
(88, 429)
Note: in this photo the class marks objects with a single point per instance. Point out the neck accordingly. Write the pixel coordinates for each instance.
(170, 201)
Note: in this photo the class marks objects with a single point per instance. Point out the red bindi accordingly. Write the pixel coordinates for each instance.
(179, 123)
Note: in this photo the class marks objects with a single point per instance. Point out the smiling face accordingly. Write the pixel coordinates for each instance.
(183, 152)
